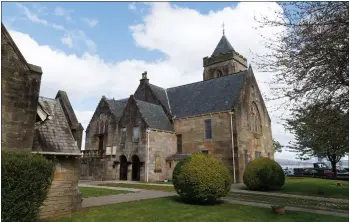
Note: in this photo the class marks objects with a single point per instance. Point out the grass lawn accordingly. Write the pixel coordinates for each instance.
(273, 200)
(316, 187)
(170, 209)
(95, 192)
(141, 186)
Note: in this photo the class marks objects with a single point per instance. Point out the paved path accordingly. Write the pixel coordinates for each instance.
(264, 205)
(121, 181)
(123, 198)
(241, 188)
(110, 188)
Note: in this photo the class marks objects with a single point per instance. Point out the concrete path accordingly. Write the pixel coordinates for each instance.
(241, 188)
(264, 205)
(123, 198)
(110, 188)
(120, 181)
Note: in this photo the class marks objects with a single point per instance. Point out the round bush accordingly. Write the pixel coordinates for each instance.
(264, 174)
(201, 178)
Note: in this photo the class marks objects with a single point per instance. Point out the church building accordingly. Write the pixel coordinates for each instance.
(142, 137)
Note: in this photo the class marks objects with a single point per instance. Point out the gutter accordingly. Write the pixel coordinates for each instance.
(232, 142)
(147, 163)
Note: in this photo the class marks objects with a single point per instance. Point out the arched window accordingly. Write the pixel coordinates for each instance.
(255, 124)
(218, 73)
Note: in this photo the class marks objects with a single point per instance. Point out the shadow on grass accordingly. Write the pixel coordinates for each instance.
(190, 202)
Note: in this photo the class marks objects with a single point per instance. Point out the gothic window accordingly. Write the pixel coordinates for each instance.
(218, 73)
(254, 119)
(135, 134)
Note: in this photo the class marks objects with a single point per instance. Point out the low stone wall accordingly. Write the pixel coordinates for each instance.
(64, 196)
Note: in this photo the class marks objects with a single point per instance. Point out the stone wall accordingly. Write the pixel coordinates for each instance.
(94, 128)
(246, 140)
(64, 196)
(193, 137)
(161, 145)
(20, 86)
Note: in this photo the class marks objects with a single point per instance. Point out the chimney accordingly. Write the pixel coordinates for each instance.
(144, 77)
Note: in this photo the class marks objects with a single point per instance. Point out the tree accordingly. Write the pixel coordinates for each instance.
(277, 146)
(310, 53)
(320, 130)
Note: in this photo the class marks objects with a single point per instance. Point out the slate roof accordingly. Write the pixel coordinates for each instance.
(223, 46)
(117, 106)
(208, 96)
(154, 116)
(160, 93)
(54, 135)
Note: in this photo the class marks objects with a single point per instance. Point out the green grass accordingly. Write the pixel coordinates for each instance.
(96, 192)
(316, 187)
(141, 186)
(171, 210)
(296, 202)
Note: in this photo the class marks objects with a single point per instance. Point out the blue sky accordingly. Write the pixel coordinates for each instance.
(90, 49)
(111, 34)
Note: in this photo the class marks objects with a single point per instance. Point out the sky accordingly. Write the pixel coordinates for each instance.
(91, 49)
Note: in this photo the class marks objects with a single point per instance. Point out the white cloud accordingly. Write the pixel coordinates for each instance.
(132, 6)
(90, 22)
(184, 40)
(67, 40)
(35, 18)
(59, 11)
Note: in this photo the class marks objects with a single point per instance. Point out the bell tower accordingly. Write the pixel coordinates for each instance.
(223, 61)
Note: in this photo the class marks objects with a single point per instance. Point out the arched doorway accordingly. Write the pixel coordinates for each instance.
(136, 168)
(123, 168)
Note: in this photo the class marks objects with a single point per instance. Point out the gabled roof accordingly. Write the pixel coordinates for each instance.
(117, 106)
(154, 116)
(62, 97)
(214, 95)
(54, 135)
(223, 47)
(161, 95)
(27, 66)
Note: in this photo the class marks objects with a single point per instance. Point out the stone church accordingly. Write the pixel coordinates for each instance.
(143, 137)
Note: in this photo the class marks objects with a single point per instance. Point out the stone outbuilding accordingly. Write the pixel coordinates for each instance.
(143, 137)
(40, 125)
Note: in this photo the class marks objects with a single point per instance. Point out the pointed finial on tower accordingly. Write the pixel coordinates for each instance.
(223, 28)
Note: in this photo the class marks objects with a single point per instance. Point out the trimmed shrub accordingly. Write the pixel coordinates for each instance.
(201, 178)
(25, 181)
(264, 174)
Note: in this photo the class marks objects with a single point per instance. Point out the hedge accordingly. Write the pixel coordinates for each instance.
(263, 174)
(25, 181)
(201, 178)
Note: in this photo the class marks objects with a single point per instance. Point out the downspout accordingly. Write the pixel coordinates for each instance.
(232, 143)
(147, 163)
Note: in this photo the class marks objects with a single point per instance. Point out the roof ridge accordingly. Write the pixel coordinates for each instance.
(44, 97)
(137, 100)
(231, 74)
